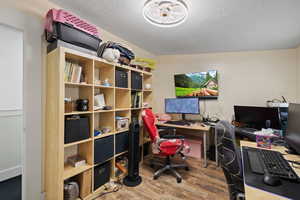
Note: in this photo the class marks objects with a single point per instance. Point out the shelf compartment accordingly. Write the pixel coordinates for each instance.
(75, 93)
(104, 135)
(103, 173)
(147, 80)
(85, 63)
(78, 84)
(109, 96)
(147, 98)
(123, 99)
(84, 150)
(104, 120)
(104, 71)
(79, 113)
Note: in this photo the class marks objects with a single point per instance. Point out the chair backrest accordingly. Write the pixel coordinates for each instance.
(229, 153)
(229, 156)
(149, 122)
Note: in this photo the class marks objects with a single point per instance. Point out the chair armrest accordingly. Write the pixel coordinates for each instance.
(173, 137)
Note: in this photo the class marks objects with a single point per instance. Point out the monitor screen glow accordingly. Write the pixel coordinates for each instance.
(182, 106)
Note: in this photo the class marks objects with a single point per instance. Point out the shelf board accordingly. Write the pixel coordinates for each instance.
(70, 171)
(104, 111)
(79, 113)
(120, 88)
(102, 86)
(104, 135)
(147, 90)
(78, 84)
(136, 108)
(121, 131)
(122, 109)
(78, 142)
(119, 154)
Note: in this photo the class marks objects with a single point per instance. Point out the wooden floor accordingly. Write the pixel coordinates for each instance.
(198, 183)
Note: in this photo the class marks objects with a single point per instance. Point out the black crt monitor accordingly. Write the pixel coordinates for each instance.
(182, 106)
(292, 137)
(258, 117)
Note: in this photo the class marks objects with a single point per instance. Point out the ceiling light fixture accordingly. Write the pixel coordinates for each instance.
(165, 13)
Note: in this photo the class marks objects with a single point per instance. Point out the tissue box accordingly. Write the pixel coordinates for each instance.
(263, 141)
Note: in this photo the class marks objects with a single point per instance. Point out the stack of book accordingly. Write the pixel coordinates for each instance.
(73, 72)
(136, 99)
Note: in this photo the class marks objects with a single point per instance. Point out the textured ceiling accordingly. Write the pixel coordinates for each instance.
(212, 26)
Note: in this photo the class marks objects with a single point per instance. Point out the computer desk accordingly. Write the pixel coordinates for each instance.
(255, 193)
(202, 129)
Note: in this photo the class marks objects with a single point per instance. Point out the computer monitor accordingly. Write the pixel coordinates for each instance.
(258, 117)
(182, 106)
(292, 137)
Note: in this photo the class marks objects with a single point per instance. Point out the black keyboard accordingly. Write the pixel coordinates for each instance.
(179, 123)
(272, 162)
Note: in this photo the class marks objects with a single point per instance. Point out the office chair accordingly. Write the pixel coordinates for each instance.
(229, 156)
(166, 145)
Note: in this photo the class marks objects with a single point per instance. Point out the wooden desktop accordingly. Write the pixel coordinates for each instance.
(203, 129)
(254, 193)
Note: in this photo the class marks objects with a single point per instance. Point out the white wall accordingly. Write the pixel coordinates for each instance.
(245, 78)
(32, 29)
(298, 75)
(11, 89)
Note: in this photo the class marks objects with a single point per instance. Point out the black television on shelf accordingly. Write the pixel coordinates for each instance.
(202, 85)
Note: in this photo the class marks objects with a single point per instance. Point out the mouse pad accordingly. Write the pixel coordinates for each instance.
(287, 188)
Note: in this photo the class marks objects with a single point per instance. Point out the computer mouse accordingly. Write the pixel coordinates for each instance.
(271, 180)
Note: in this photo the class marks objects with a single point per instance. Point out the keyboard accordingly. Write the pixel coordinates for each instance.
(179, 123)
(272, 162)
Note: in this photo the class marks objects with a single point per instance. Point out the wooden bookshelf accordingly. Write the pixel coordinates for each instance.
(97, 71)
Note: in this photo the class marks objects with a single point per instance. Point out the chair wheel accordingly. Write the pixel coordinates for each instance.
(155, 177)
(152, 166)
(187, 169)
(179, 180)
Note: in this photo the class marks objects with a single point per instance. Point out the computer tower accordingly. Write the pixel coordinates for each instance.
(102, 174)
(76, 129)
(133, 179)
(103, 149)
(121, 78)
(136, 81)
(122, 142)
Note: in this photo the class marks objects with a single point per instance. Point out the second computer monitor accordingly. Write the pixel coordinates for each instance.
(257, 117)
(182, 106)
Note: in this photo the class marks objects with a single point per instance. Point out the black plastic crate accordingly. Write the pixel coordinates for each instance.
(121, 78)
(103, 149)
(76, 129)
(136, 81)
(122, 142)
(102, 174)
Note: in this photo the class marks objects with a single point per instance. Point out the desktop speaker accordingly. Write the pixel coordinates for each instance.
(133, 178)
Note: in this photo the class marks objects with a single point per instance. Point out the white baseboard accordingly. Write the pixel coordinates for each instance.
(10, 173)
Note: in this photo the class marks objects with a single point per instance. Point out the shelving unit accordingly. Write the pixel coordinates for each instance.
(97, 72)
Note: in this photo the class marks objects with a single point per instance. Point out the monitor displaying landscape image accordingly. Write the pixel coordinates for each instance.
(198, 84)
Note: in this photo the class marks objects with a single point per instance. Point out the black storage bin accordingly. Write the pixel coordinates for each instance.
(122, 142)
(74, 36)
(121, 78)
(102, 174)
(76, 129)
(136, 80)
(103, 149)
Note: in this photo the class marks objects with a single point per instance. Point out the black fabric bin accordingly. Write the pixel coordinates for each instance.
(76, 129)
(102, 174)
(121, 78)
(122, 142)
(68, 33)
(103, 149)
(136, 80)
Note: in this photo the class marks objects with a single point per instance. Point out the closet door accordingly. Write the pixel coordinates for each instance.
(11, 102)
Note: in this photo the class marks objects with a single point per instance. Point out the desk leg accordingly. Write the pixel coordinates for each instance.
(204, 148)
(216, 145)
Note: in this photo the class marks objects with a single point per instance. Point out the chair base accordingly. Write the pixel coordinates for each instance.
(168, 166)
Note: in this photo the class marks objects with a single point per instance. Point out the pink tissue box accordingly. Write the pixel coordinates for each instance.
(264, 141)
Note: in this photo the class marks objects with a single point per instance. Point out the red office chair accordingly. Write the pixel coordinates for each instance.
(167, 145)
